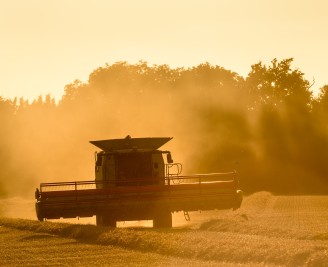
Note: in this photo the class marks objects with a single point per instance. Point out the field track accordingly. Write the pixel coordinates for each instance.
(267, 231)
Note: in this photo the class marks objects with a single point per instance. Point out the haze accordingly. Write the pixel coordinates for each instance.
(45, 45)
(230, 113)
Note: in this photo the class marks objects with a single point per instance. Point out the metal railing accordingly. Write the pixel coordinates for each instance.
(67, 186)
(201, 178)
(173, 169)
(171, 179)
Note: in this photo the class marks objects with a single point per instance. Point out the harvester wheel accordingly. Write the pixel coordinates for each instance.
(239, 199)
(38, 212)
(163, 219)
(105, 220)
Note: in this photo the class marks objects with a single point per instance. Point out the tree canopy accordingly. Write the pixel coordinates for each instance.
(267, 126)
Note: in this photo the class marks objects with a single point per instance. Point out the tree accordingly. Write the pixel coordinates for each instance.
(321, 103)
(278, 85)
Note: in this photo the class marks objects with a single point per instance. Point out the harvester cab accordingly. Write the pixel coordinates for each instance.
(133, 162)
(134, 180)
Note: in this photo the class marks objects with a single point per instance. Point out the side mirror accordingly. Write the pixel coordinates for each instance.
(169, 158)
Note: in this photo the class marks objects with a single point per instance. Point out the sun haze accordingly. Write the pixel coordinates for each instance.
(230, 81)
(46, 45)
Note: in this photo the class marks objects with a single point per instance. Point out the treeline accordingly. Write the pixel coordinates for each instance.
(267, 126)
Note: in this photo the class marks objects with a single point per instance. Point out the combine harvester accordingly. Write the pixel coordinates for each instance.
(133, 182)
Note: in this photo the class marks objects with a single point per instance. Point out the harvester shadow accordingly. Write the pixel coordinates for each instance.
(38, 237)
(102, 235)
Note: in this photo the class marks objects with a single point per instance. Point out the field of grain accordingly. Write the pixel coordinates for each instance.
(268, 230)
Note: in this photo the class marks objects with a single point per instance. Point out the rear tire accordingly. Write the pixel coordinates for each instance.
(38, 211)
(163, 219)
(238, 199)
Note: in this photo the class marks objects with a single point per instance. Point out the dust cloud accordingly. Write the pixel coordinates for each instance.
(220, 121)
(46, 142)
(17, 207)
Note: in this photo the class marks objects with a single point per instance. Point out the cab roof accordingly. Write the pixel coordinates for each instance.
(145, 143)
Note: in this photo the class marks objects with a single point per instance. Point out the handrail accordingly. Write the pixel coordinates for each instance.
(200, 178)
(168, 180)
(171, 165)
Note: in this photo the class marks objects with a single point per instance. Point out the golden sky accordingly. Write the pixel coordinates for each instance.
(46, 44)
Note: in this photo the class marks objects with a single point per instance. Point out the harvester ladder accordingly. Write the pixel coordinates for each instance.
(186, 215)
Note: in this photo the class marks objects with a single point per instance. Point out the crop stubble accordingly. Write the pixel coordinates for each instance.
(267, 231)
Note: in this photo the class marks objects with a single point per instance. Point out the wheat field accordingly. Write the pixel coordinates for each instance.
(268, 230)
